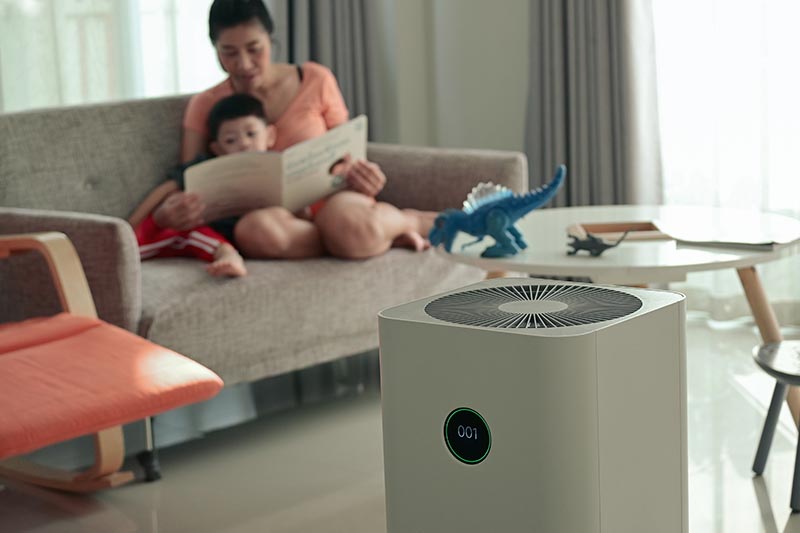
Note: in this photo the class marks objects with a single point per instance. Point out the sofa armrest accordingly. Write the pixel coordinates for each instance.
(107, 248)
(437, 178)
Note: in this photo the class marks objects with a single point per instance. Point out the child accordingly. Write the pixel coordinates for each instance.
(236, 124)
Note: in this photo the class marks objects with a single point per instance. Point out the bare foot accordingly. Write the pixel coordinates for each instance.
(413, 240)
(227, 262)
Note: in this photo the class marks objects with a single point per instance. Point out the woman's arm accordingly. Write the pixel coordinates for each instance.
(192, 144)
(153, 200)
(172, 208)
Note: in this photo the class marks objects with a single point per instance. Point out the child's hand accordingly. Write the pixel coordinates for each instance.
(366, 177)
(180, 211)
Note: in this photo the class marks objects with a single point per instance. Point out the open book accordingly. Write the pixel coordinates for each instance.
(299, 176)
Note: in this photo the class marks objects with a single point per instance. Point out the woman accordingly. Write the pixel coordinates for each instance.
(301, 102)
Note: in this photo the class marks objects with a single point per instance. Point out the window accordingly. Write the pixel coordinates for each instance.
(64, 52)
(729, 99)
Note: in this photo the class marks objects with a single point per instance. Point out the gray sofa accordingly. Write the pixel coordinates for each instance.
(82, 170)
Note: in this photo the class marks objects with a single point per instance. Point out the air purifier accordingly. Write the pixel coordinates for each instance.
(519, 405)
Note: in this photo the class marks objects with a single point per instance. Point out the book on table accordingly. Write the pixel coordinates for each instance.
(234, 184)
(723, 236)
(612, 231)
(688, 234)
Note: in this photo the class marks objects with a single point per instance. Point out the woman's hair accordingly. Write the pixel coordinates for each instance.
(226, 14)
(232, 107)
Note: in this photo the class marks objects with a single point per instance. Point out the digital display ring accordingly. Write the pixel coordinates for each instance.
(467, 435)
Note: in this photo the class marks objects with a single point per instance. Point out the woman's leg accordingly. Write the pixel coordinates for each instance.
(275, 233)
(355, 226)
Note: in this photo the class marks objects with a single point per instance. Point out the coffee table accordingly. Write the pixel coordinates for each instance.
(654, 261)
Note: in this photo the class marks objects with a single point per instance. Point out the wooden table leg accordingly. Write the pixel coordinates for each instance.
(767, 325)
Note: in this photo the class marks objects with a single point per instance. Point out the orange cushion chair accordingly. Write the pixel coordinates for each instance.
(72, 374)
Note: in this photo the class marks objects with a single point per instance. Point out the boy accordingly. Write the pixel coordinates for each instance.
(236, 124)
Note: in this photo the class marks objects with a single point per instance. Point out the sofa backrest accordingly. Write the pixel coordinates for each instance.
(95, 158)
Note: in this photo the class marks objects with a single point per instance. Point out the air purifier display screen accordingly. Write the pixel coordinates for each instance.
(467, 435)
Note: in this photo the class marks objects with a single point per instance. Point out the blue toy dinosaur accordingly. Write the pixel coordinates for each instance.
(493, 210)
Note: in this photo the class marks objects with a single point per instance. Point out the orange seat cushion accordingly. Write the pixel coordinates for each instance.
(65, 376)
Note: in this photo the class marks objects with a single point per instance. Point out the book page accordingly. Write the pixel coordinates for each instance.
(306, 176)
(295, 178)
(236, 183)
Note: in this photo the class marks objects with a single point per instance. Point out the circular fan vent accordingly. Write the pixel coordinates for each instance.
(533, 306)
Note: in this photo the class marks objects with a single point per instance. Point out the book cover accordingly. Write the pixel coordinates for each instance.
(299, 176)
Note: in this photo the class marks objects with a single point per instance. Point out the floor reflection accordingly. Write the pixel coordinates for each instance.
(320, 468)
(26, 508)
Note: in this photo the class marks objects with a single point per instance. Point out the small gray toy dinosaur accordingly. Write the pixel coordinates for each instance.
(592, 244)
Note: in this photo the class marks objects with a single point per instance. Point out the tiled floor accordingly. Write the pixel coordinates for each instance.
(319, 468)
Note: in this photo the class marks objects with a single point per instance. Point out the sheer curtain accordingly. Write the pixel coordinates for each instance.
(66, 52)
(729, 98)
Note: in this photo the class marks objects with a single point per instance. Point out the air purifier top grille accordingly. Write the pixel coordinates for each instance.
(533, 306)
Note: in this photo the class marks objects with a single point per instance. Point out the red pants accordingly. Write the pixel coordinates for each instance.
(316, 206)
(199, 242)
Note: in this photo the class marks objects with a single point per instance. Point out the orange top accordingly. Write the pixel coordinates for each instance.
(317, 107)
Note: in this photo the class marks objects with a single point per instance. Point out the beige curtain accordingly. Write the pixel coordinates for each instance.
(592, 100)
(341, 34)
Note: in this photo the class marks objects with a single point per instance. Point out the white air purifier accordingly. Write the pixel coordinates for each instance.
(518, 405)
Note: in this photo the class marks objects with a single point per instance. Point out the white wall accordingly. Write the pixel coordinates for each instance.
(462, 72)
(413, 63)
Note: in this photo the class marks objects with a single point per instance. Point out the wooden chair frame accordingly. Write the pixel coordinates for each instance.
(76, 298)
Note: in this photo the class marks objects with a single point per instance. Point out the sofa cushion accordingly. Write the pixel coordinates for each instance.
(284, 315)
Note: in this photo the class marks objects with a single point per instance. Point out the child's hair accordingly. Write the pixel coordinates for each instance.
(231, 107)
